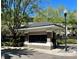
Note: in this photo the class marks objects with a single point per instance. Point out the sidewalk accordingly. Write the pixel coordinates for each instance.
(57, 51)
(72, 51)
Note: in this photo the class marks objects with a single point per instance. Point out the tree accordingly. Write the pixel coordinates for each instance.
(55, 16)
(14, 13)
(50, 15)
(72, 18)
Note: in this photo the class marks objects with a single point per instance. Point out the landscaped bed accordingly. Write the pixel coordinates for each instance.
(69, 41)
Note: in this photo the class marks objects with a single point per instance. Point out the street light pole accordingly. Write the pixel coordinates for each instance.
(65, 15)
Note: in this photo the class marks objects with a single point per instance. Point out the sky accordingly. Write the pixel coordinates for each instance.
(68, 4)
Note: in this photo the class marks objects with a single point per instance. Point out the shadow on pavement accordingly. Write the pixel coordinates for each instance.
(61, 47)
(8, 53)
(68, 47)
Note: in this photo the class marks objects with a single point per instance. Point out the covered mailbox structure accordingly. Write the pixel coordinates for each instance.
(40, 35)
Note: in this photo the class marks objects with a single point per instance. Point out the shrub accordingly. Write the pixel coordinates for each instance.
(69, 41)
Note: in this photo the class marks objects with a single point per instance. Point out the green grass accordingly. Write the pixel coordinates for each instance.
(69, 41)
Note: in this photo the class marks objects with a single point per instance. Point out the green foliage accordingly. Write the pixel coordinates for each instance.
(72, 18)
(15, 13)
(6, 43)
(55, 16)
(19, 44)
(69, 41)
(50, 15)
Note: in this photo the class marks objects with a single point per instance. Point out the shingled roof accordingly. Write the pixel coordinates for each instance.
(39, 24)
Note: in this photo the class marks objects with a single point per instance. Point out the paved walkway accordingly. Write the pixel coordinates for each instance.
(37, 55)
(31, 54)
(72, 50)
(57, 52)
